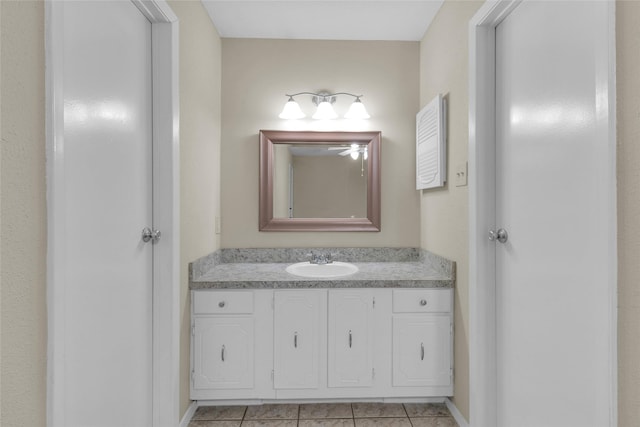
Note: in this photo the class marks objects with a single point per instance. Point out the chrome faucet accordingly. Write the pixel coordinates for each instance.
(320, 259)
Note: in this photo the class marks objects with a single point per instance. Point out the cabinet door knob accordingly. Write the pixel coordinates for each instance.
(423, 302)
(221, 304)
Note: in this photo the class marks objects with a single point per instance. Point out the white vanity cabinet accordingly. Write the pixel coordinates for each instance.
(284, 344)
(299, 322)
(231, 346)
(422, 340)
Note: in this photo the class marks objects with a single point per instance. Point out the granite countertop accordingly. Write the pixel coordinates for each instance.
(377, 268)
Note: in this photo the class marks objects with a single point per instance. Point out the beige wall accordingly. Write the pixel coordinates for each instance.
(200, 80)
(444, 61)
(256, 74)
(628, 93)
(23, 216)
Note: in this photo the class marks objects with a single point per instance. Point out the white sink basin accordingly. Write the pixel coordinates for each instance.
(335, 269)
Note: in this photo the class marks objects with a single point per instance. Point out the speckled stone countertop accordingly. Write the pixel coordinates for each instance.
(265, 269)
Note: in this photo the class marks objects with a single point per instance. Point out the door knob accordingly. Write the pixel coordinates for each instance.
(149, 234)
(501, 235)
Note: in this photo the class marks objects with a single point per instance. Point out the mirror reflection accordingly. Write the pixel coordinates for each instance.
(326, 181)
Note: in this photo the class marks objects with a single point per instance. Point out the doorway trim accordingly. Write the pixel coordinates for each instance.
(166, 211)
(482, 210)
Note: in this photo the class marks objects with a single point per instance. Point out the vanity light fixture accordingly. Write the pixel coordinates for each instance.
(325, 111)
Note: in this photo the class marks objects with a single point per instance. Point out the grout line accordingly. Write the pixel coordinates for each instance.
(244, 414)
(405, 411)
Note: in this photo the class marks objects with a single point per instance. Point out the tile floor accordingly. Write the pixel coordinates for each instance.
(326, 415)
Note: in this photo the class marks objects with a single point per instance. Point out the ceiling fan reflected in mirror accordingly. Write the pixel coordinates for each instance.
(354, 151)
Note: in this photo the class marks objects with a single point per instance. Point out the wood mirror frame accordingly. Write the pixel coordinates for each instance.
(269, 138)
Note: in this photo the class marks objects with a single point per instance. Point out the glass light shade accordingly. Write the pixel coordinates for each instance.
(291, 111)
(325, 111)
(355, 149)
(357, 111)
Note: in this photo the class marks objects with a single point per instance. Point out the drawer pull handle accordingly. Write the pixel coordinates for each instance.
(221, 304)
(295, 339)
(423, 302)
(421, 351)
(222, 353)
(350, 339)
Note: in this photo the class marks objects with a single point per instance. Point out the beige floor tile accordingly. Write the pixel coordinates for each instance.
(327, 422)
(211, 423)
(427, 410)
(434, 422)
(270, 423)
(272, 412)
(382, 422)
(315, 411)
(220, 413)
(378, 410)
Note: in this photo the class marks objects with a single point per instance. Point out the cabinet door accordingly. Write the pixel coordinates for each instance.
(298, 319)
(350, 338)
(223, 353)
(422, 350)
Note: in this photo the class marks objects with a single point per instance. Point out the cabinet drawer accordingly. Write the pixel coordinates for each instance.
(222, 302)
(422, 300)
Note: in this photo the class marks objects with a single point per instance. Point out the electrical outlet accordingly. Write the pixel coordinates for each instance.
(461, 175)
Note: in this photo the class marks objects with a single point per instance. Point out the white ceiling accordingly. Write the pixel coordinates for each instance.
(323, 20)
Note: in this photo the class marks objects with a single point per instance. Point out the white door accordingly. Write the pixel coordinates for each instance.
(552, 180)
(297, 330)
(107, 201)
(350, 338)
(223, 353)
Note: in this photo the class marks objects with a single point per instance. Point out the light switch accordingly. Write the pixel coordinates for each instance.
(461, 175)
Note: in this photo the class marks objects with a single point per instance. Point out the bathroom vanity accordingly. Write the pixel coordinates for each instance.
(261, 333)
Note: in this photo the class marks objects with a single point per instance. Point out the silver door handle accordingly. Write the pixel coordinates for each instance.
(149, 234)
(421, 351)
(500, 235)
(295, 340)
(350, 339)
(222, 353)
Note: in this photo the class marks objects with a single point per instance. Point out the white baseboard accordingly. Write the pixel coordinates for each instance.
(188, 415)
(462, 422)
(251, 402)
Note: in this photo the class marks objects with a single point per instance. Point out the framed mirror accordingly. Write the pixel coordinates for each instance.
(319, 181)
